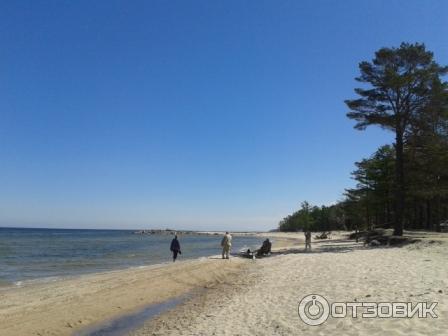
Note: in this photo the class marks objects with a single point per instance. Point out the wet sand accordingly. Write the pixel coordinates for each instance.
(65, 306)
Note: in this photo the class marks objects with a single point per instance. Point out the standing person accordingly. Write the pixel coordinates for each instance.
(175, 248)
(307, 240)
(226, 244)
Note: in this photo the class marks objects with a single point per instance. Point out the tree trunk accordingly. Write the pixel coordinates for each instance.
(399, 188)
(388, 216)
(428, 215)
(438, 228)
(368, 215)
(438, 209)
(415, 219)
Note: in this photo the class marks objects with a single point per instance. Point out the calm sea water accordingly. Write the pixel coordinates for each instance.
(28, 255)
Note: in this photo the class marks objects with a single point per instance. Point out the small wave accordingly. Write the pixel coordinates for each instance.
(23, 283)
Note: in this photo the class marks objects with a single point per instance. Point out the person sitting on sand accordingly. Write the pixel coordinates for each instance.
(307, 240)
(226, 244)
(175, 248)
(265, 248)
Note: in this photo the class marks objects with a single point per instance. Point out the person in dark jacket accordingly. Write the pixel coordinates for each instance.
(265, 249)
(175, 248)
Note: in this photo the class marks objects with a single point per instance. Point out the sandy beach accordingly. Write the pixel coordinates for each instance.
(245, 297)
(264, 299)
(62, 307)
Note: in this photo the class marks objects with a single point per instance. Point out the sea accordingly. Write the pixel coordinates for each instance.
(43, 255)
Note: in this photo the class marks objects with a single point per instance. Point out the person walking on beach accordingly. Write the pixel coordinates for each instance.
(226, 244)
(175, 248)
(307, 240)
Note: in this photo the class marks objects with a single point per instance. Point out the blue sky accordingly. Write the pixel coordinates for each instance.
(187, 114)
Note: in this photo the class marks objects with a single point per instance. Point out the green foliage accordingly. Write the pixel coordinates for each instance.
(404, 184)
(400, 84)
(371, 201)
(313, 218)
(404, 92)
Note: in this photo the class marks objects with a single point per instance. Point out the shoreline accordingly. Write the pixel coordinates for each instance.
(26, 265)
(53, 279)
(281, 242)
(63, 306)
(66, 306)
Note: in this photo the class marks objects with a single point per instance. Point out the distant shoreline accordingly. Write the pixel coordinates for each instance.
(194, 232)
(212, 232)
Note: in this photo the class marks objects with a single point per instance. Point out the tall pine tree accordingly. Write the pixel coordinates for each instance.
(398, 87)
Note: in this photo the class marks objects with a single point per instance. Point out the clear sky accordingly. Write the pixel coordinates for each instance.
(187, 114)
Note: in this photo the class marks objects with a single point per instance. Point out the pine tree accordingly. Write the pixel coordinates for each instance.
(399, 89)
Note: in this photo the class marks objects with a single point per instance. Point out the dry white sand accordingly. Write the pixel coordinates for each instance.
(264, 299)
